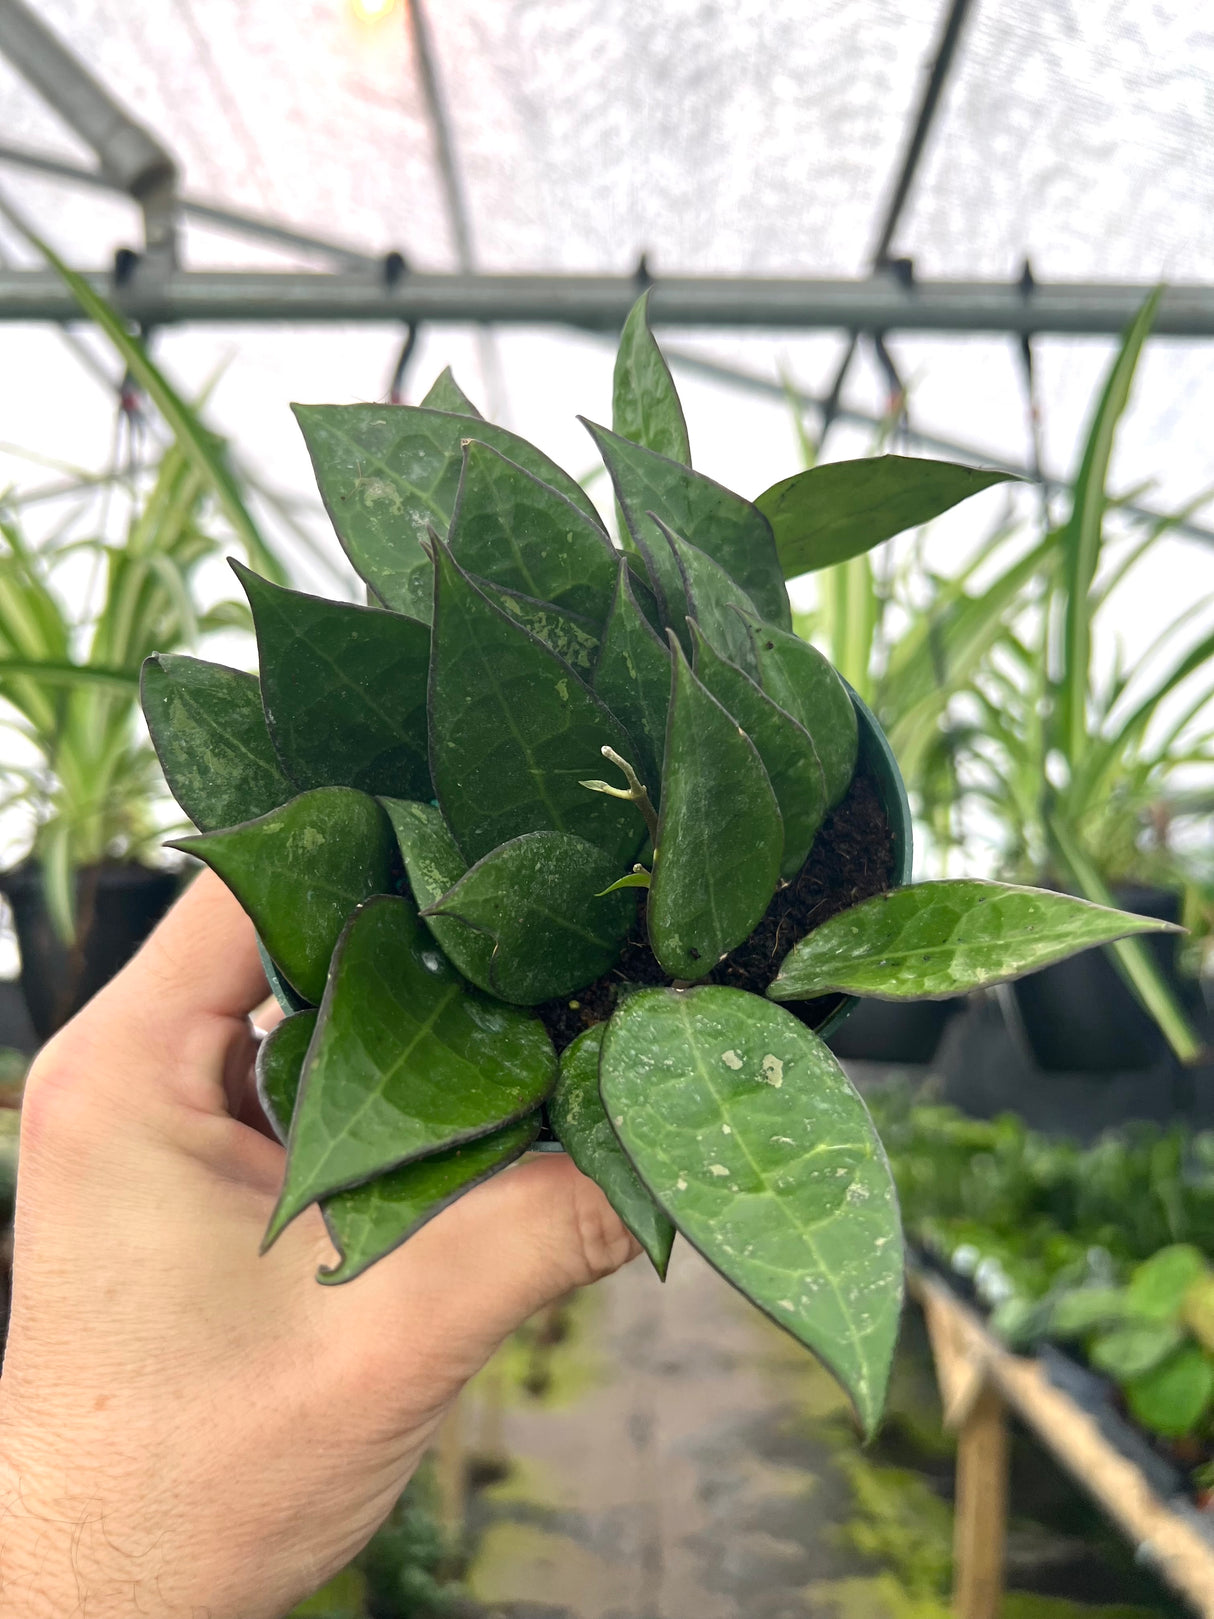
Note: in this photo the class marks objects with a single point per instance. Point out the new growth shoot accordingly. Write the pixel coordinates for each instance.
(636, 791)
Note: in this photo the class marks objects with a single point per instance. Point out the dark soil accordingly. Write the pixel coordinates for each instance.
(852, 859)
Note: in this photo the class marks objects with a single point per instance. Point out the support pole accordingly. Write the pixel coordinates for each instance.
(980, 1524)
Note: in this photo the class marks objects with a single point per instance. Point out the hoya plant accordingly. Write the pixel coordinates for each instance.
(572, 842)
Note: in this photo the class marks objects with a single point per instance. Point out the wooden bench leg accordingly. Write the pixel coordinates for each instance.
(980, 1528)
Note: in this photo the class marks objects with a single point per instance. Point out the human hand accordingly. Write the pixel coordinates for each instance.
(187, 1428)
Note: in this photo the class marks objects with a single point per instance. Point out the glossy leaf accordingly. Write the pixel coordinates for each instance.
(514, 731)
(406, 1061)
(575, 640)
(542, 899)
(645, 404)
(580, 1124)
(720, 837)
(748, 1133)
(523, 535)
(785, 748)
(934, 940)
(632, 676)
(801, 681)
(209, 732)
(434, 864)
(388, 473)
(369, 1221)
(446, 394)
(839, 510)
(1173, 1398)
(637, 878)
(300, 871)
(727, 528)
(721, 608)
(280, 1059)
(344, 690)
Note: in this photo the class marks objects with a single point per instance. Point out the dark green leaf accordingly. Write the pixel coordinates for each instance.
(388, 473)
(446, 394)
(934, 940)
(582, 1128)
(797, 677)
(730, 530)
(280, 1060)
(645, 404)
(521, 534)
(369, 1221)
(574, 639)
(747, 1132)
(721, 608)
(434, 864)
(1174, 1397)
(210, 736)
(300, 871)
(784, 746)
(542, 900)
(344, 689)
(720, 838)
(406, 1061)
(632, 677)
(844, 508)
(513, 731)
(1160, 1284)
(1134, 1347)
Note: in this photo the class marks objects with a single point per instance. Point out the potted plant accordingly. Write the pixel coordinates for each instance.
(81, 785)
(472, 927)
(1083, 771)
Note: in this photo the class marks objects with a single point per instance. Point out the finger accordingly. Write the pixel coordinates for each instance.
(478, 1270)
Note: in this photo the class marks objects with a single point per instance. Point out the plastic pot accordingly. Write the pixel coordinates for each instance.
(894, 1031)
(1080, 1016)
(117, 905)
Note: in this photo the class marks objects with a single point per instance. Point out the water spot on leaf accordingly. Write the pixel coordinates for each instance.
(717, 1169)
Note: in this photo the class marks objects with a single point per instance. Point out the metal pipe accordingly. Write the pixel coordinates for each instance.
(129, 154)
(600, 303)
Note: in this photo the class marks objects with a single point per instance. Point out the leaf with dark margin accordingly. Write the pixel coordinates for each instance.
(644, 401)
(371, 1220)
(280, 1059)
(784, 746)
(574, 639)
(841, 509)
(514, 731)
(300, 871)
(406, 1061)
(720, 607)
(931, 941)
(388, 473)
(542, 900)
(580, 1124)
(632, 676)
(720, 838)
(1173, 1397)
(522, 535)
(344, 690)
(209, 732)
(746, 1130)
(804, 684)
(730, 530)
(434, 864)
(446, 394)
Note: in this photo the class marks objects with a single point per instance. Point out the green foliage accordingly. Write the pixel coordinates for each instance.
(514, 651)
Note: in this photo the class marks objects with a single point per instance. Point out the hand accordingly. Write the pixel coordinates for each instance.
(186, 1428)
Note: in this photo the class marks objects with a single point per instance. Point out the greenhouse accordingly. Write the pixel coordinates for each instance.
(607, 838)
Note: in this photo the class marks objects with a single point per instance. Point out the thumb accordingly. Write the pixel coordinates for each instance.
(477, 1271)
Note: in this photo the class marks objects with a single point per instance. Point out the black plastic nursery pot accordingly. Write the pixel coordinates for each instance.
(117, 904)
(1080, 1015)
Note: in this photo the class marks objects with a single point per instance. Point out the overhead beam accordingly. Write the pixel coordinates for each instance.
(880, 303)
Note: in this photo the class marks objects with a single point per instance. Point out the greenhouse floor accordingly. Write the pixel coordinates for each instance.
(666, 1453)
